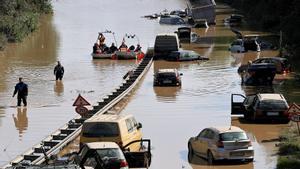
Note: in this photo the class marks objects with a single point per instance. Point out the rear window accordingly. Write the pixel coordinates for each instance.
(100, 129)
(110, 153)
(273, 104)
(166, 75)
(233, 136)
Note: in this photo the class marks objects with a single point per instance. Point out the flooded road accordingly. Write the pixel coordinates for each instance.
(169, 115)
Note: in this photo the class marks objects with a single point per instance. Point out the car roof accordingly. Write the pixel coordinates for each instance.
(102, 145)
(166, 70)
(167, 34)
(107, 118)
(270, 96)
(226, 129)
(275, 58)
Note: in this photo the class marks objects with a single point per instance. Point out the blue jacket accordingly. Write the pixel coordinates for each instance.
(21, 88)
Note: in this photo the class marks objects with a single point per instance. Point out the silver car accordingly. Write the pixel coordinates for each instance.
(221, 143)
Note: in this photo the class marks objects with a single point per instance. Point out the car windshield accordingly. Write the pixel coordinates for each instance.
(97, 129)
(233, 136)
(110, 153)
(273, 104)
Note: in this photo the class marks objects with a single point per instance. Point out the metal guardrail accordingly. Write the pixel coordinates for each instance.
(55, 142)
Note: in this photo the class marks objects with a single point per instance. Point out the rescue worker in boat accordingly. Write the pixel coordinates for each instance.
(113, 48)
(101, 39)
(123, 46)
(138, 48)
(22, 89)
(96, 48)
(59, 71)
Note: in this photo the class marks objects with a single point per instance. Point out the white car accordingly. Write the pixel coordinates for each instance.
(221, 143)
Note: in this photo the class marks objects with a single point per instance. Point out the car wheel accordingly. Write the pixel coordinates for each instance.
(191, 151)
(250, 160)
(238, 51)
(210, 158)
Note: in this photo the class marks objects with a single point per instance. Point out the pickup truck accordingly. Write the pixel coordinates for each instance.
(269, 107)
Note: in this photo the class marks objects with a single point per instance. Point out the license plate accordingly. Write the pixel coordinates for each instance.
(167, 81)
(273, 113)
(237, 153)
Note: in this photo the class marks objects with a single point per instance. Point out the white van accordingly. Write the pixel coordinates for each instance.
(164, 44)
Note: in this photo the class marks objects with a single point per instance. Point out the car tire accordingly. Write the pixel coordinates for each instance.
(210, 158)
(190, 148)
(190, 153)
(250, 160)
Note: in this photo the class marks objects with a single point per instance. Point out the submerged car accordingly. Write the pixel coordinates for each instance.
(247, 43)
(282, 64)
(185, 55)
(262, 106)
(171, 20)
(99, 155)
(180, 13)
(167, 77)
(234, 19)
(221, 143)
(186, 35)
(258, 74)
(200, 23)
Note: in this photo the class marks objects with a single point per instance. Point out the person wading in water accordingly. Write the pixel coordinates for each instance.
(22, 89)
(59, 71)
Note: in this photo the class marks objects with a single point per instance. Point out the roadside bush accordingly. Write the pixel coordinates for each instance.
(289, 147)
(288, 163)
(18, 18)
(3, 41)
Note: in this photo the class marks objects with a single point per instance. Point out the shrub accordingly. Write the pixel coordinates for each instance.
(288, 163)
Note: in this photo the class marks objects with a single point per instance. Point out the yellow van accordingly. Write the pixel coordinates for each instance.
(121, 129)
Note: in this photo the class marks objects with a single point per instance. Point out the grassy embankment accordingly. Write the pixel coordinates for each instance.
(274, 16)
(289, 150)
(18, 18)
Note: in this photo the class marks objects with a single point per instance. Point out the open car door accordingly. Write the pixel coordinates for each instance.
(237, 106)
(140, 159)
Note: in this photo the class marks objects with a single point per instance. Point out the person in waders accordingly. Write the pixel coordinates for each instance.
(59, 71)
(22, 89)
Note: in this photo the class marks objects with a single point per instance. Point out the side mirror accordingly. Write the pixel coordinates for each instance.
(139, 126)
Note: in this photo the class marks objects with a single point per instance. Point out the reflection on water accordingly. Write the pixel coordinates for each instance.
(201, 163)
(59, 88)
(21, 120)
(166, 94)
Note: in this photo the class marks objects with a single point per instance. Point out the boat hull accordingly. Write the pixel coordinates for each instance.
(102, 56)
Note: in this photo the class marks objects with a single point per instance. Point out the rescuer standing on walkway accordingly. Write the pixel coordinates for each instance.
(22, 89)
(59, 71)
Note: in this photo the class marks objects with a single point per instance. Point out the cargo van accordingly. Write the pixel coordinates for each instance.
(121, 129)
(164, 44)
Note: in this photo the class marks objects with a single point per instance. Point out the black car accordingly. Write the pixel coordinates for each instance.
(257, 74)
(282, 64)
(167, 77)
(262, 106)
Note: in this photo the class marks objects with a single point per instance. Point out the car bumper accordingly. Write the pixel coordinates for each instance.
(241, 154)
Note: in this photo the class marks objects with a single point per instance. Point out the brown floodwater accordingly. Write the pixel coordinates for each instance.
(169, 115)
